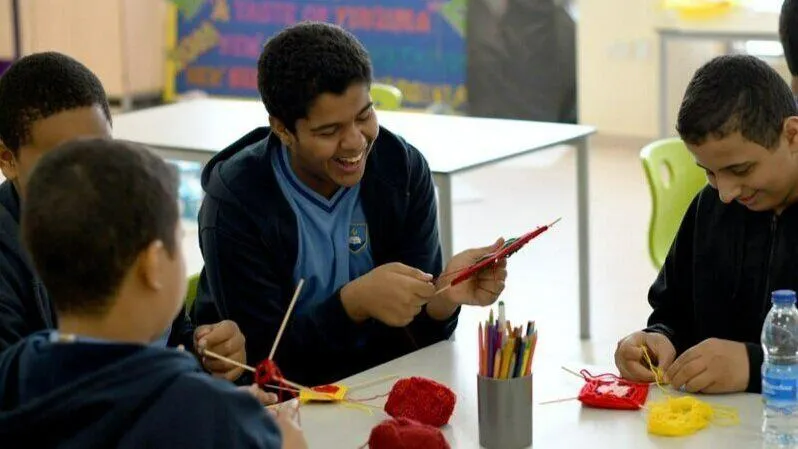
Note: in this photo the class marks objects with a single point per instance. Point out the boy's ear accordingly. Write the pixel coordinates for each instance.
(150, 265)
(8, 163)
(791, 133)
(278, 127)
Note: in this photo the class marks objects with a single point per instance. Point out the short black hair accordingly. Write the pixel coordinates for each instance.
(304, 61)
(735, 93)
(40, 85)
(788, 33)
(91, 207)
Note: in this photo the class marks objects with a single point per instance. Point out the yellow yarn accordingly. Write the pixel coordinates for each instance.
(684, 415)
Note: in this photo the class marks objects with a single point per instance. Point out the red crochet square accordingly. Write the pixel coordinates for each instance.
(609, 391)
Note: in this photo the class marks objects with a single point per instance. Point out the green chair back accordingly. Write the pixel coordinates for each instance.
(674, 180)
(386, 97)
(191, 292)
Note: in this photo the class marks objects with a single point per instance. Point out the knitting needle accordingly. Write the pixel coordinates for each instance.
(249, 368)
(573, 372)
(555, 401)
(285, 318)
(230, 361)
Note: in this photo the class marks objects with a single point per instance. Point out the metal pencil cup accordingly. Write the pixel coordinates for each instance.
(505, 412)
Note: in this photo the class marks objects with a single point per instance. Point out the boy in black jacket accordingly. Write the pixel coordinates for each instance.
(46, 99)
(102, 226)
(327, 195)
(738, 241)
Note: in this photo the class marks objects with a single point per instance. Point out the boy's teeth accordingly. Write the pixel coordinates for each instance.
(351, 160)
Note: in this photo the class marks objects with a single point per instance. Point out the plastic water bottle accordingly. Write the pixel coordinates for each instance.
(780, 372)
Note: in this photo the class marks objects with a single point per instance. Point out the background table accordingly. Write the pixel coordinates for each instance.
(741, 25)
(197, 130)
(560, 425)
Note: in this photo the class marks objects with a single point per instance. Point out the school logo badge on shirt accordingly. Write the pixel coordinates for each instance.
(358, 237)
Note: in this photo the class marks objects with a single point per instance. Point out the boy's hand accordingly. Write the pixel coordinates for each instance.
(393, 293)
(482, 289)
(712, 366)
(264, 398)
(223, 338)
(293, 438)
(629, 355)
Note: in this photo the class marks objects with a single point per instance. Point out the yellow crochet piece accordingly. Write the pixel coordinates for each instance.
(684, 415)
(333, 393)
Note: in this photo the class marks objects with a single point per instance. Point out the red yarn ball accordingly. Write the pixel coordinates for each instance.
(422, 400)
(405, 433)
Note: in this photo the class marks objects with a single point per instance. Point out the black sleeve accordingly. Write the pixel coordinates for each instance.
(182, 332)
(422, 247)
(671, 295)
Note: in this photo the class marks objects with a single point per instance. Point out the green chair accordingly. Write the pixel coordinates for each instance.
(386, 97)
(673, 179)
(191, 292)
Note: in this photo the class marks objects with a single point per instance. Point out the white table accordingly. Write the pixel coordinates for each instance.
(197, 130)
(740, 25)
(560, 425)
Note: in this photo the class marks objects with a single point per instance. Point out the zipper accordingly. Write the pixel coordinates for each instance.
(773, 235)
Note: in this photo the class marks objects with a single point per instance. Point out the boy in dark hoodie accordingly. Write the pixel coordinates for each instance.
(327, 195)
(738, 241)
(102, 227)
(46, 99)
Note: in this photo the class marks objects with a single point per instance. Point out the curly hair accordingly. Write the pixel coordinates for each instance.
(303, 61)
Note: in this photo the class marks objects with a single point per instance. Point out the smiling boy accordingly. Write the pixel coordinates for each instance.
(738, 241)
(327, 195)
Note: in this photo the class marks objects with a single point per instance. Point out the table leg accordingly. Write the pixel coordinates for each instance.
(583, 213)
(663, 86)
(444, 183)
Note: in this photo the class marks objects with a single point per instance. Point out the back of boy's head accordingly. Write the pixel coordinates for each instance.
(92, 207)
(41, 85)
(304, 61)
(788, 33)
(737, 93)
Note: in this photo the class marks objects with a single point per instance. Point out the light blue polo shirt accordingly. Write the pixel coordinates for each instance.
(334, 246)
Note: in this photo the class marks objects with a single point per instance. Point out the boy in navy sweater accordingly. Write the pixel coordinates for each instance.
(102, 227)
(46, 99)
(327, 195)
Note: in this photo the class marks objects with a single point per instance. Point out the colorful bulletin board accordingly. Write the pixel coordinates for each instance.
(415, 45)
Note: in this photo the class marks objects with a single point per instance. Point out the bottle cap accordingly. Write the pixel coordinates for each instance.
(783, 297)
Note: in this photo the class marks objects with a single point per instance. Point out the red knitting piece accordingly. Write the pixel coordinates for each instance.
(403, 433)
(268, 374)
(422, 400)
(609, 391)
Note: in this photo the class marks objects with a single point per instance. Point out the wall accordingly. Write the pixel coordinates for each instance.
(618, 54)
(122, 41)
(6, 34)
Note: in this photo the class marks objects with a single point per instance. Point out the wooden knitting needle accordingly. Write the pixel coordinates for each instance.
(573, 372)
(249, 368)
(230, 361)
(555, 401)
(285, 319)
